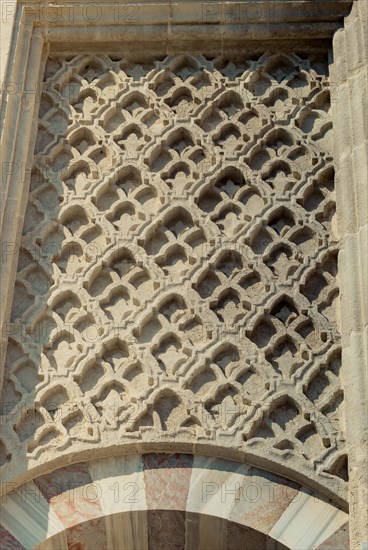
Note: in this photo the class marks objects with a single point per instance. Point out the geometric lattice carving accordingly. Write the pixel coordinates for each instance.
(177, 272)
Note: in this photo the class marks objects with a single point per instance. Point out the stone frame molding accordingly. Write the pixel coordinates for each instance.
(34, 29)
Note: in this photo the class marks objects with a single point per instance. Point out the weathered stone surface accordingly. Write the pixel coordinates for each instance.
(176, 282)
(177, 271)
(350, 116)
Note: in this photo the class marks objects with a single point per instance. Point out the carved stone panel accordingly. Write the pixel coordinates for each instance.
(177, 278)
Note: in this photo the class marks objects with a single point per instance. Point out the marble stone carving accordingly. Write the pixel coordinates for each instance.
(177, 277)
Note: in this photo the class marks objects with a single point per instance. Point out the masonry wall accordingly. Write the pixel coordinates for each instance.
(188, 268)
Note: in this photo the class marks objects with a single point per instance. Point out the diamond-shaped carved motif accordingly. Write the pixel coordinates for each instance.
(177, 271)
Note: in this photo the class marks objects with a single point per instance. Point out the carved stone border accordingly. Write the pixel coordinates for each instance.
(349, 74)
(31, 29)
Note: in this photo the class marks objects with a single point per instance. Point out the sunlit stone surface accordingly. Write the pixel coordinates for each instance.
(184, 325)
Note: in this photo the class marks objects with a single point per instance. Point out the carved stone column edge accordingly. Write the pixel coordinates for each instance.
(22, 72)
(350, 118)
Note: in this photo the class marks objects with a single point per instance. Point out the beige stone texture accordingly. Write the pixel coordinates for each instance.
(350, 114)
(177, 269)
(184, 267)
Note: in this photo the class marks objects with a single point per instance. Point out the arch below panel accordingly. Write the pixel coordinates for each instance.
(158, 500)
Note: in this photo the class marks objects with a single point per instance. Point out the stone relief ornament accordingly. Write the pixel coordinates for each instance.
(177, 276)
